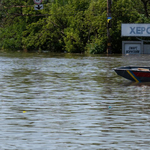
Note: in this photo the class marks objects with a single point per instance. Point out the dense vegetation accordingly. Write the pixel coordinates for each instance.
(74, 26)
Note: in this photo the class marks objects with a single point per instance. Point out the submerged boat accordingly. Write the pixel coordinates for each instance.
(133, 73)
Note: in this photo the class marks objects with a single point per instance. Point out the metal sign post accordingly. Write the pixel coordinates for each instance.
(109, 48)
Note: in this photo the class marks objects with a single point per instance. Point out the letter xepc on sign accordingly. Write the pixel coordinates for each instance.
(137, 30)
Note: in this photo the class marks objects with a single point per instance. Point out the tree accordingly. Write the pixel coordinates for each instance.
(145, 4)
(122, 12)
(74, 26)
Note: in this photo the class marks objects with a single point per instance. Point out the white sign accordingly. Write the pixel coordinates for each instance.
(139, 30)
(38, 7)
(37, 1)
(133, 48)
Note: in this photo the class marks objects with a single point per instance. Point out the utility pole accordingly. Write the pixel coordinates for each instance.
(109, 17)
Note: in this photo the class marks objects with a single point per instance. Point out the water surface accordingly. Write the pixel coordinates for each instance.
(69, 102)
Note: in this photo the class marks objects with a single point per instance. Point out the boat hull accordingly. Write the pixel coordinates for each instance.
(136, 74)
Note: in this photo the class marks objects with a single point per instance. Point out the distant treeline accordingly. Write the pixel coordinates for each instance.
(73, 26)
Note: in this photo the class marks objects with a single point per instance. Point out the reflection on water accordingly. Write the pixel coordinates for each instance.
(72, 102)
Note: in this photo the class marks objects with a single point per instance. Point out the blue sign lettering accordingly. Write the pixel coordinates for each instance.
(139, 30)
(132, 30)
(142, 29)
(148, 30)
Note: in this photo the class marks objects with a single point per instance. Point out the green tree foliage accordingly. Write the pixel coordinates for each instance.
(126, 11)
(74, 26)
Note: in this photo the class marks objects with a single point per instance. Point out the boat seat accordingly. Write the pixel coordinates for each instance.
(143, 69)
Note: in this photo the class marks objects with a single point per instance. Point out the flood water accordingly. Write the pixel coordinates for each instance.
(70, 102)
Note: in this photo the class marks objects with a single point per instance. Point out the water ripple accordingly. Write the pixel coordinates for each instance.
(76, 102)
